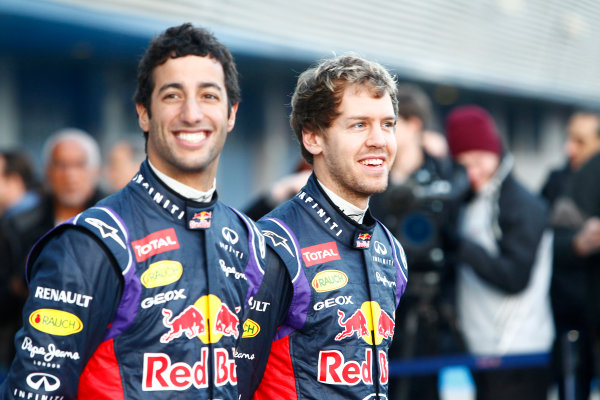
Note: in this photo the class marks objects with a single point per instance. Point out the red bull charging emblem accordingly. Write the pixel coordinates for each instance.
(368, 319)
(200, 220)
(208, 319)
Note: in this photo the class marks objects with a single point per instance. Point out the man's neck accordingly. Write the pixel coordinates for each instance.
(349, 209)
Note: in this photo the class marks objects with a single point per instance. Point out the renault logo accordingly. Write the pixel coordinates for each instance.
(36, 380)
(380, 248)
(230, 235)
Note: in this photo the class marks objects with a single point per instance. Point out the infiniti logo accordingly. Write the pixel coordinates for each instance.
(37, 379)
(380, 248)
(230, 235)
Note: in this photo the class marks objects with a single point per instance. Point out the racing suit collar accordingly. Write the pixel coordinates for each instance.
(181, 209)
(320, 207)
(184, 190)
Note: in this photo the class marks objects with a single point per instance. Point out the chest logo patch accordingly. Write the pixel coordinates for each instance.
(328, 280)
(155, 243)
(161, 273)
(55, 322)
(251, 328)
(320, 253)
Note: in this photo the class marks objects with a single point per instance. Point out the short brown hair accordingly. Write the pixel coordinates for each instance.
(319, 91)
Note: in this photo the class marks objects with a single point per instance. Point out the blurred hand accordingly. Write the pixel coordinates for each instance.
(587, 240)
(288, 186)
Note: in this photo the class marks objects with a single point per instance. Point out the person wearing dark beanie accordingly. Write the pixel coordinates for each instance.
(472, 128)
(504, 261)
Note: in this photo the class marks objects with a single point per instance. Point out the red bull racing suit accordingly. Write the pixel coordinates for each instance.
(331, 338)
(138, 297)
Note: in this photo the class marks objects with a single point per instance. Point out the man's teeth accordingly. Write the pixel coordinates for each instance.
(374, 161)
(192, 137)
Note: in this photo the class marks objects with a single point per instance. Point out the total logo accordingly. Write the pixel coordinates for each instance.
(368, 322)
(320, 253)
(162, 374)
(335, 370)
(208, 319)
(155, 243)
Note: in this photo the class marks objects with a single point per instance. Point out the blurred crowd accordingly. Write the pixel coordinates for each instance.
(494, 269)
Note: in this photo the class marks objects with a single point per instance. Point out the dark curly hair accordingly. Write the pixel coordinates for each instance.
(181, 41)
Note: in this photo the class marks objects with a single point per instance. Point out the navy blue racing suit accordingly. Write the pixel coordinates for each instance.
(138, 297)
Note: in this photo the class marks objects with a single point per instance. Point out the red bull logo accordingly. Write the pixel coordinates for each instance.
(356, 323)
(201, 220)
(161, 374)
(190, 321)
(226, 322)
(208, 319)
(369, 323)
(363, 241)
(333, 368)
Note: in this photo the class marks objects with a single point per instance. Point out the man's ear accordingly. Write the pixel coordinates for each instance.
(312, 141)
(231, 117)
(143, 118)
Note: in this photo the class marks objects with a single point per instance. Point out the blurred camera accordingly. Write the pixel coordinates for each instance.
(417, 211)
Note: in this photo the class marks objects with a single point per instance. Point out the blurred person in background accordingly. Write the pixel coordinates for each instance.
(123, 161)
(71, 159)
(281, 190)
(504, 260)
(72, 164)
(19, 192)
(574, 194)
(422, 197)
(18, 185)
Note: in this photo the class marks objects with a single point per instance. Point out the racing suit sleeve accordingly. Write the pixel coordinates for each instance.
(74, 292)
(265, 313)
(511, 268)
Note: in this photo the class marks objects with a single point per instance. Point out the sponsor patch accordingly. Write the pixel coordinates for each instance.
(43, 381)
(63, 296)
(155, 243)
(368, 322)
(161, 298)
(208, 319)
(334, 369)
(161, 273)
(251, 328)
(328, 280)
(55, 322)
(160, 373)
(320, 253)
(362, 240)
(200, 220)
